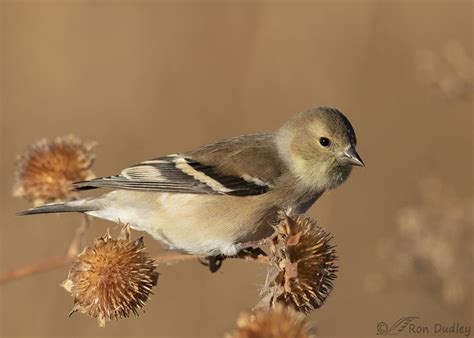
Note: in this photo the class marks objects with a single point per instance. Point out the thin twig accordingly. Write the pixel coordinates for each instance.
(46, 265)
(75, 247)
(77, 243)
(60, 261)
(257, 259)
(174, 258)
(177, 257)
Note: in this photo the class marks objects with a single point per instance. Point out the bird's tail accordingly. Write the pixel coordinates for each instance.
(72, 206)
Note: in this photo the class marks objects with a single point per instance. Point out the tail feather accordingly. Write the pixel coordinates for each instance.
(73, 206)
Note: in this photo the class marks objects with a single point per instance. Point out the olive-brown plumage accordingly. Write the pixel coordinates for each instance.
(212, 199)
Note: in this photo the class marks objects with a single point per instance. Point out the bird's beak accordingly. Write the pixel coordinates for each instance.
(350, 157)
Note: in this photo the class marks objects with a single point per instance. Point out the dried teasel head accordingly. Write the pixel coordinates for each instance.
(112, 279)
(303, 266)
(44, 173)
(277, 322)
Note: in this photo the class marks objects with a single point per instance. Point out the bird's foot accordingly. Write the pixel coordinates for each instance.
(214, 263)
(250, 253)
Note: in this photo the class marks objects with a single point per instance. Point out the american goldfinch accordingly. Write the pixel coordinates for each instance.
(213, 199)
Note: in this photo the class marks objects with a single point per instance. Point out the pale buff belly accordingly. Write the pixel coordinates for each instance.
(204, 224)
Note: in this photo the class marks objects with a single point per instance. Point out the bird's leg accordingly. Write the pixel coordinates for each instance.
(247, 250)
(250, 252)
(214, 263)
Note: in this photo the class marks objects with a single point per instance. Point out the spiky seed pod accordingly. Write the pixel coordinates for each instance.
(277, 322)
(303, 266)
(112, 279)
(44, 173)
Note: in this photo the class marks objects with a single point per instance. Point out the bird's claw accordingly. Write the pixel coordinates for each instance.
(252, 252)
(214, 263)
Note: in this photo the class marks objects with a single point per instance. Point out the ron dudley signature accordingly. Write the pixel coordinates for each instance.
(412, 325)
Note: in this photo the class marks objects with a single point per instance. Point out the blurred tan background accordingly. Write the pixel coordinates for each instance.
(148, 78)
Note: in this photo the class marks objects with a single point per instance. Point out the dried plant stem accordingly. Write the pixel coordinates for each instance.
(60, 261)
(263, 259)
(77, 243)
(174, 258)
(52, 263)
(49, 264)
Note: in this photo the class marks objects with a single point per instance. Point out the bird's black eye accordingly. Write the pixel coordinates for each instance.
(324, 141)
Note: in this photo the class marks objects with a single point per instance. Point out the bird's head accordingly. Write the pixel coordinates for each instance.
(319, 147)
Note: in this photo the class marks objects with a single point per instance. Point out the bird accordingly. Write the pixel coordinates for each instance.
(216, 198)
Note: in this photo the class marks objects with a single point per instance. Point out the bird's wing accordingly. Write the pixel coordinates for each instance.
(226, 167)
